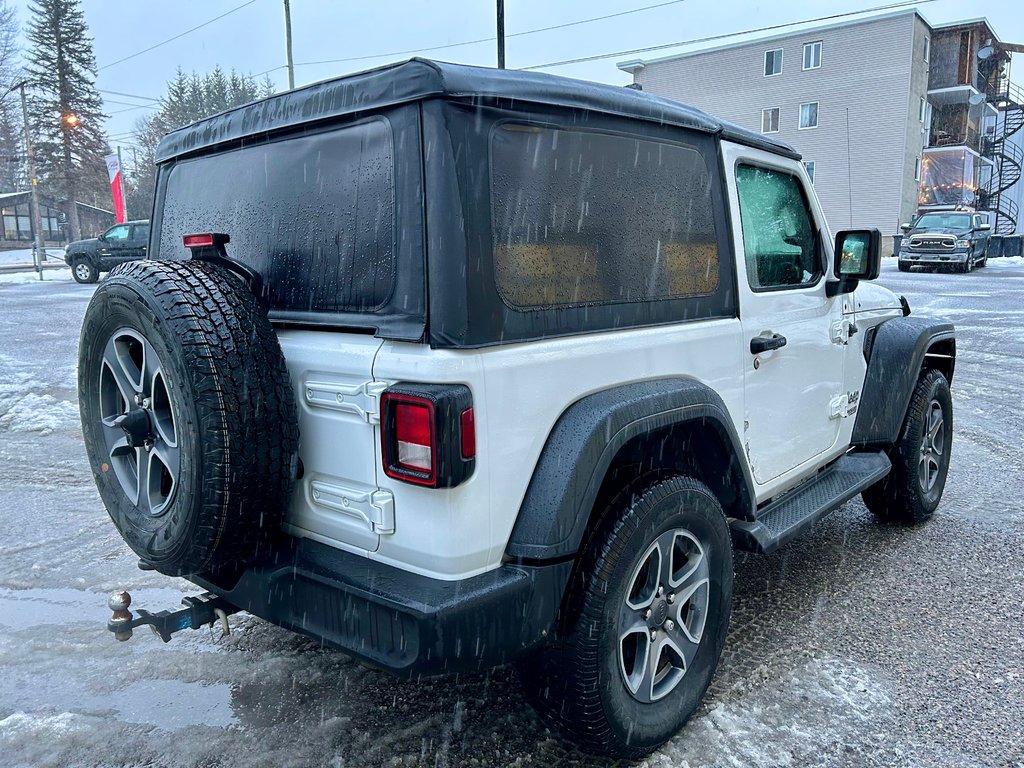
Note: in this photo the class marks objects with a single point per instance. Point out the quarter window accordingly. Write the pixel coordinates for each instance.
(594, 218)
(772, 62)
(780, 242)
(809, 115)
(770, 120)
(812, 55)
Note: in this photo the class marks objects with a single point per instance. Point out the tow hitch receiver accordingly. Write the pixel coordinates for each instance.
(198, 611)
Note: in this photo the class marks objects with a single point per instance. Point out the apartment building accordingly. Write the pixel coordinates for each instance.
(884, 110)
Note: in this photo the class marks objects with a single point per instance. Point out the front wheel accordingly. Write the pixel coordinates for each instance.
(84, 271)
(920, 459)
(644, 624)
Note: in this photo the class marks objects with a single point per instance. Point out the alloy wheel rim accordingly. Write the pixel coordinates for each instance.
(138, 422)
(933, 447)
(663, 614)
(82, 270)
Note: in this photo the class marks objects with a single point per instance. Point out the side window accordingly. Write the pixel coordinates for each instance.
(117, 233)
(582, 218)
(140, 232)
(780, 241)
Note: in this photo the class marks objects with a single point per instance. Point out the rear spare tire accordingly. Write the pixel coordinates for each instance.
(188, 415)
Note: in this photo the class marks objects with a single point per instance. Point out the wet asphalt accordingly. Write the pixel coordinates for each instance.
(861, 644)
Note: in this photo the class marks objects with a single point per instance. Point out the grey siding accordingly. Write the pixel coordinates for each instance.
(865, 77)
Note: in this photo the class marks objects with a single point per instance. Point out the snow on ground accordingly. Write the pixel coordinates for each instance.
(816, 709)
(24, 255)
(23, 277)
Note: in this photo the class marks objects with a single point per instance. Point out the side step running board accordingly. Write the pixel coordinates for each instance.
(795, 511)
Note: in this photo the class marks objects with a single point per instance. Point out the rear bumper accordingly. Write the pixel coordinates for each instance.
(396, 620)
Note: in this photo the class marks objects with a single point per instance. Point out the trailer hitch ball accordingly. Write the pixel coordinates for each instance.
(121, 621)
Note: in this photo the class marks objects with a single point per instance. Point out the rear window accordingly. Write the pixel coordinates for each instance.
(315, 215)
(583, 218)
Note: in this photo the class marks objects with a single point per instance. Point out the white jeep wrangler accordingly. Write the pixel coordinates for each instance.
(450, 367)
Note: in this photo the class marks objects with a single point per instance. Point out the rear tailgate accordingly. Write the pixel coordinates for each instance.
(336, 497)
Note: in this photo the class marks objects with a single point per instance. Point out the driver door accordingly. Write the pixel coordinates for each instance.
(793, 333)
(114, 246)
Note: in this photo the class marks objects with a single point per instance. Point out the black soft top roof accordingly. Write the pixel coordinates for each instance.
(422, 78)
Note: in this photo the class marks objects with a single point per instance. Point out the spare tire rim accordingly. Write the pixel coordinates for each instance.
(662, 618)
(933, 447)
(138, 419)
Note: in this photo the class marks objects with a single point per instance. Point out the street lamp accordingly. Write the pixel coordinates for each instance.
(71, 119)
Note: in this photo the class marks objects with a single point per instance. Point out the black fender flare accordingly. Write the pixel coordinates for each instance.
(896, 353)
(555, 511)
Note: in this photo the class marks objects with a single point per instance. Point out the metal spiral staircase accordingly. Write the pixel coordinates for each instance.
(1008, 159)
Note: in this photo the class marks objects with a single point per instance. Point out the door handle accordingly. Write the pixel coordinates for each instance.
(760, 344)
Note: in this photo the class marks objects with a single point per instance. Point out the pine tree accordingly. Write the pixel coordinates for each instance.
(12, 175)
(61, 76)
(188, 98)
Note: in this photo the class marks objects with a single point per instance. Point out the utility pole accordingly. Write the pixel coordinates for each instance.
(288, 43)
(501, 33)
(37, 219)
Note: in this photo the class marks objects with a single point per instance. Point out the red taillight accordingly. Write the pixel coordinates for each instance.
(427, 433)
(198, 241)
(467, 422)
(413, 433)
(205, 240)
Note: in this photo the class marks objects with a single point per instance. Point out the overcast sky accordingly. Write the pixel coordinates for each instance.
(252, 39)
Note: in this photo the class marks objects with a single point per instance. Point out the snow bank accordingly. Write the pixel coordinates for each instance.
(23, 409)
(49, 276)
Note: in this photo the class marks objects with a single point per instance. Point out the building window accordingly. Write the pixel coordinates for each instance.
(809, 115)
(770, 120)
(917, 169)
(809, 167)
(812, 55)
(927, 49)
(923, 111)
(772, 62)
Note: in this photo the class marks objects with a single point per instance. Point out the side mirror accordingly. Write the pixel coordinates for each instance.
(102, 238)
(906, 227)
(858, 256)
(984, 227)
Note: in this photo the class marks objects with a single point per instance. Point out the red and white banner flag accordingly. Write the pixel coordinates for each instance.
(116, 187)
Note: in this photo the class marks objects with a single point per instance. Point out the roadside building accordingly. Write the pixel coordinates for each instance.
(882, 108)
(16, 223)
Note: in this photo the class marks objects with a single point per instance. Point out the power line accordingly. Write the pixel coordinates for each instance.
(129, 95)
(647, 49)
(129, 109)
(482, 39)
(176, 37)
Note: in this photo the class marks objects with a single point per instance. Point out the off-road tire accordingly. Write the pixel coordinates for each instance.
(576, 681)
(225, 382)
(84, 271)
(901, 496)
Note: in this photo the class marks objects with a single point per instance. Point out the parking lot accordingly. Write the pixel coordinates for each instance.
(860, 644)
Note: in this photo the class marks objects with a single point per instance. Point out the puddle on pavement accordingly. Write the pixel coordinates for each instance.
(27, 608)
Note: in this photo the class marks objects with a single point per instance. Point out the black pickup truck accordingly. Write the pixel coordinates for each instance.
(945, 239)
(120, 243)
